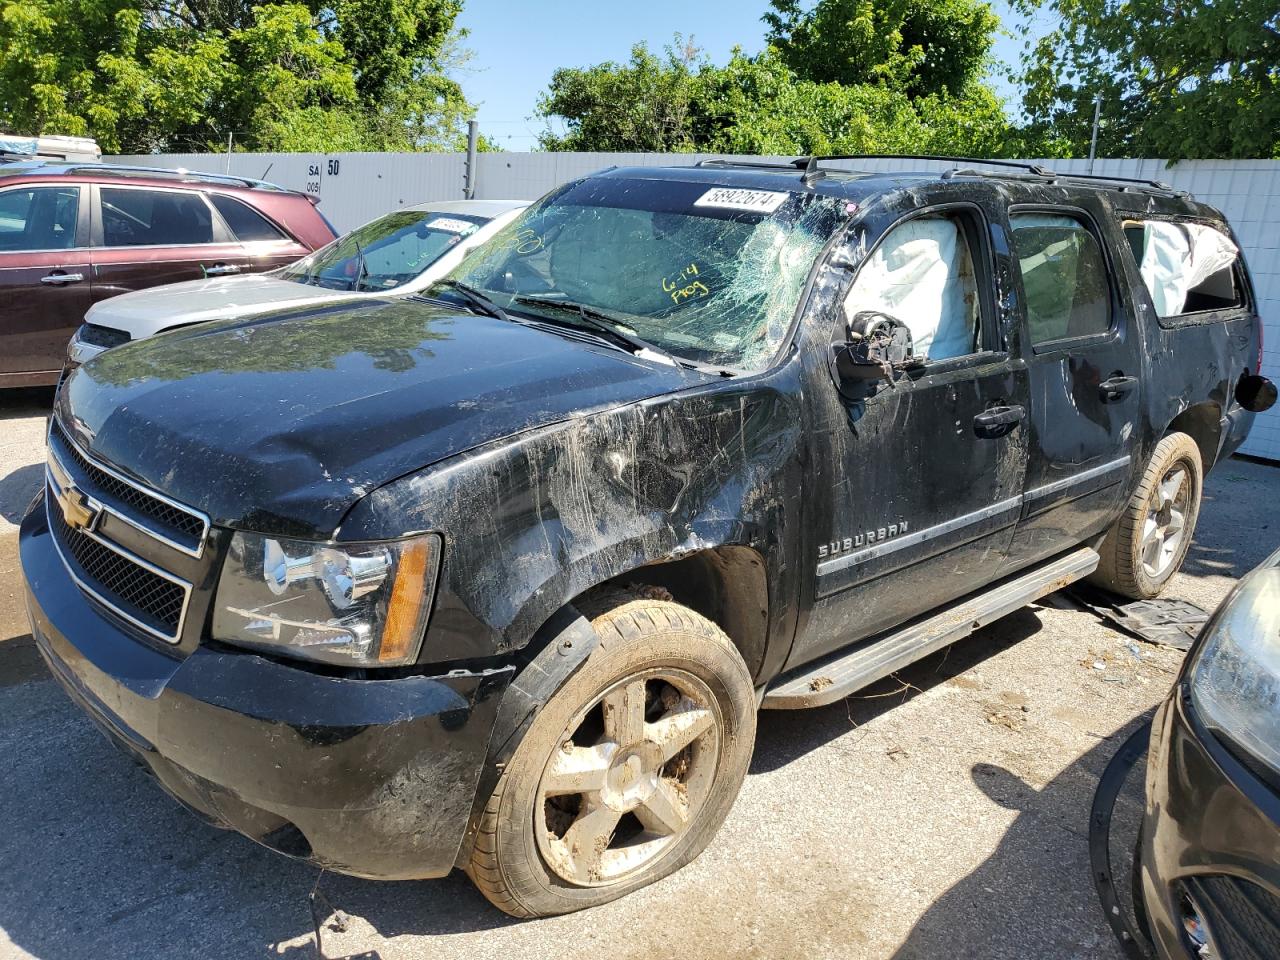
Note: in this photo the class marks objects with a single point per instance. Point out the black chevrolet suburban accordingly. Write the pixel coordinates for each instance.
(497, 577)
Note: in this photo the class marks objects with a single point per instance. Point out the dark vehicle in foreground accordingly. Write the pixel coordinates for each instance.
(73, 234)
(498, 576)
(1208, 883)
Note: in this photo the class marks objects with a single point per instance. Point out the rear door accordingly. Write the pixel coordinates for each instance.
(44, 278)
(1083, 352)
(147, 236)
(916, 490)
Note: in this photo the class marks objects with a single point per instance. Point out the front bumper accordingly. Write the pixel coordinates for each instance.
(1211, 834)
(373, 778)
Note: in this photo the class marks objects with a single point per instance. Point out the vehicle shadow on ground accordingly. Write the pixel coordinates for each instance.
(987, 915)
(25, 402)
(1014, 897)
(17, 490)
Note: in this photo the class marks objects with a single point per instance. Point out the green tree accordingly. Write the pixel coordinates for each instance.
(919, 47)
(144, 75)
(1194, 79)
(758, 105)
(642, 104)
(681, 102)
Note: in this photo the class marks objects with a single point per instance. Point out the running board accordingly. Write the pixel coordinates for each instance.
(839, 674)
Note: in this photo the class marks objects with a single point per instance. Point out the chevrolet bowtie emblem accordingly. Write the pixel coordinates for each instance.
(78, 511)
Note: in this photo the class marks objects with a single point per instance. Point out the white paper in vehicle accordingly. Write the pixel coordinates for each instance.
(752, 201)
(451, 225)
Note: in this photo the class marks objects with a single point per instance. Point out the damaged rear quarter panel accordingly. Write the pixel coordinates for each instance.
(1192, 363)
(531, 522)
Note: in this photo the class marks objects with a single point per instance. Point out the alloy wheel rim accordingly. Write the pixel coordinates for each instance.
(1165, 526)
(630, 775)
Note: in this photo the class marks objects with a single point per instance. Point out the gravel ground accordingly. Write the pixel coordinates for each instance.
(942, 814)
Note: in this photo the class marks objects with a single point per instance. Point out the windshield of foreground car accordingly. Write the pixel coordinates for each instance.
(711, 274)
(385, 253)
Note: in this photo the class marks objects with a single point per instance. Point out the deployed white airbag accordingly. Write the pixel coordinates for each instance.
(1178, 257)
(921, 275)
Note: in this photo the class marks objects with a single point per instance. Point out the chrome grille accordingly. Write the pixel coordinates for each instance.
(121, 581)
(170, 522)
(81, 492)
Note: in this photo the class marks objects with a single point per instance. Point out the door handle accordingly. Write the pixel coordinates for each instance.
(58, 278)
(221, 269)
(1116, 387)
(997, 422)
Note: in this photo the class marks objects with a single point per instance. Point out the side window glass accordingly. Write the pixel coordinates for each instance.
(245, 222)
(164, 218)
(1186, 267)
(923, 274)
(1064, 277)
(39, 218)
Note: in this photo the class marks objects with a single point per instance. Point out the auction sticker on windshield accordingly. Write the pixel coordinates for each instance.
(451, 225)
(754, 201)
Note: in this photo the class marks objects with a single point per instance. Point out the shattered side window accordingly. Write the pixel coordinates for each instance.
(922, 273)
(1186, 267)
(707, 273)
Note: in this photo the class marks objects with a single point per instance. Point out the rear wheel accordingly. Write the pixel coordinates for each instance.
(629, 770)
(1148, 542)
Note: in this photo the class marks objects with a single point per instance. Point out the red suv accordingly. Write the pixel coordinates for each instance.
(73, 234)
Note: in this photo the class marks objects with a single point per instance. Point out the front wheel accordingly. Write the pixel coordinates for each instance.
(1148, 542)
(629, 770)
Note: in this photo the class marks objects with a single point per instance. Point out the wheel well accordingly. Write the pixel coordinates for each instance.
(725, 584)
(1203, 424)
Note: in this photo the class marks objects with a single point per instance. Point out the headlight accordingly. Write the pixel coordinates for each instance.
(1235, 682)
(357, 604)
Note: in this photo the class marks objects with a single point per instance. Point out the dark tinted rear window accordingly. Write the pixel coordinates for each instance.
(245, 222)
(164, 218)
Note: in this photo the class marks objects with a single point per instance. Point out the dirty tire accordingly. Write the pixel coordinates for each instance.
(645, 638)
(1129, 541)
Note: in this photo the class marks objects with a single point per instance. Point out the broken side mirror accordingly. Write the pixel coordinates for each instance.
(1255, 393)
(876, 347)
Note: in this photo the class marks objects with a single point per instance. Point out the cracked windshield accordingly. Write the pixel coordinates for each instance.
(706, 273)
(386, 253)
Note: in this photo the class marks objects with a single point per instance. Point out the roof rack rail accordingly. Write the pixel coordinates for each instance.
(177, 173)
(1157, 184)
(754, 164)
(813, 171)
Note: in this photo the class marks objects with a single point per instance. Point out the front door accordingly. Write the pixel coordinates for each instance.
(1084, 363)
(44, 280)
(917, 489)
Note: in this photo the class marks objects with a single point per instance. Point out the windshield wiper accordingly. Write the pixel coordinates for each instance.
(361, 269)
(476, 299)
(599, 321)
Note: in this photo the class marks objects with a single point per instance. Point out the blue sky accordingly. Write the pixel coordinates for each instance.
(518, 44)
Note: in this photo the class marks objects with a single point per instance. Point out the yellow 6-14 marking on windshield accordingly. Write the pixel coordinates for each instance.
(684, 287)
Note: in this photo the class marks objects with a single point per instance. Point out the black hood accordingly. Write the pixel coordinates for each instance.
(280, 424)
